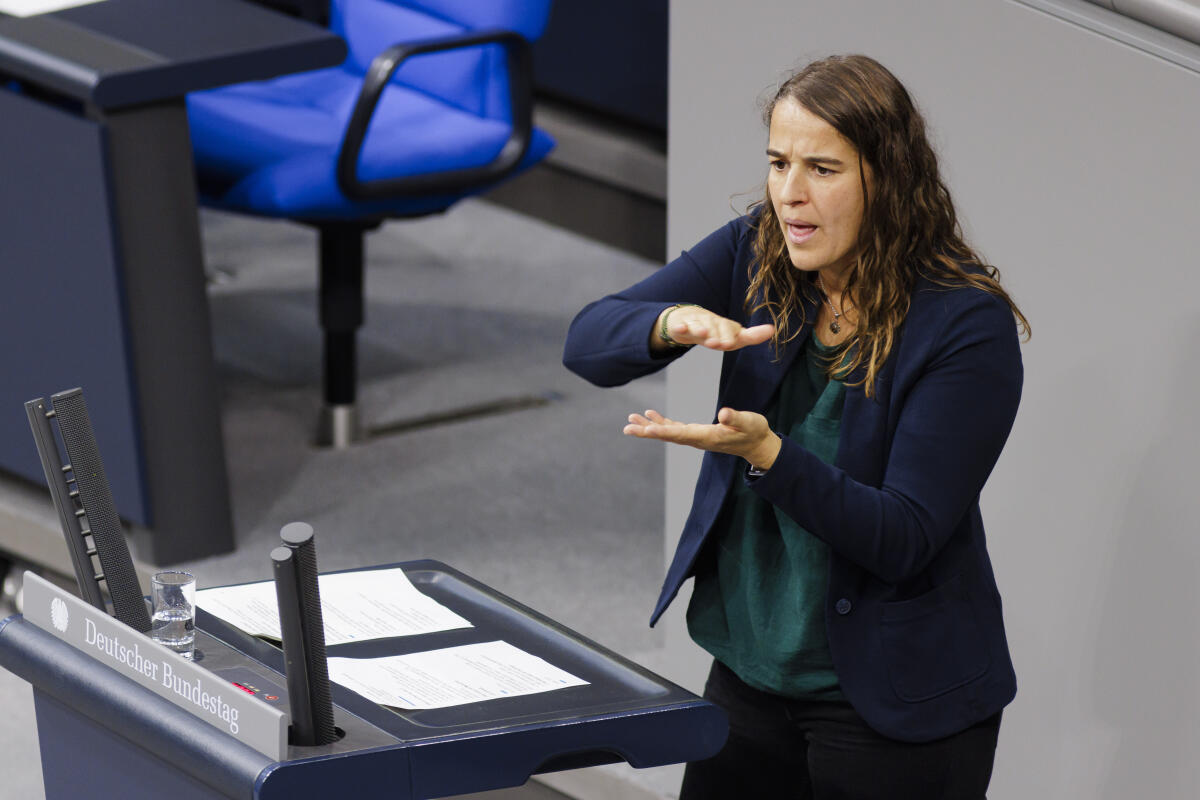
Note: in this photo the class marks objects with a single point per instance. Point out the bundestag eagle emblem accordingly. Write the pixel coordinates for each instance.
(59, 615)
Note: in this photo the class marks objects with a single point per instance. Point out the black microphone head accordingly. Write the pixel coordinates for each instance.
(296, 533)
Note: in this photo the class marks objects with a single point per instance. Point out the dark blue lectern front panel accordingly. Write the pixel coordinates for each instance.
(78, 756)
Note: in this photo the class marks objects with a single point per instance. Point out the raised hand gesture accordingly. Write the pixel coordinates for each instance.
(688, 325)
(741, 433)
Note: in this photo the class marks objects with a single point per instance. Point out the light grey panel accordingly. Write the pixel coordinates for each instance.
(1169, 29)
(1180, 17)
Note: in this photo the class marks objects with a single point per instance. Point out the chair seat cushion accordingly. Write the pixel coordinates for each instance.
(271, 147)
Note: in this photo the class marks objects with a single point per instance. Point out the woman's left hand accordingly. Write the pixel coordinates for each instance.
(739, 433)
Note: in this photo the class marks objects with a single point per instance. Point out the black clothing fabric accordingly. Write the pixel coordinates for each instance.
(784, 749)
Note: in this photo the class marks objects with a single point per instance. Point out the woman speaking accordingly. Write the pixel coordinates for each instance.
(870, 377)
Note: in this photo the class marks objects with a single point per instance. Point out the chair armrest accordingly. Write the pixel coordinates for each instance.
(520, 87)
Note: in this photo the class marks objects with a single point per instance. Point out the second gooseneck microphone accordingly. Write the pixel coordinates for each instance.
(299, 597)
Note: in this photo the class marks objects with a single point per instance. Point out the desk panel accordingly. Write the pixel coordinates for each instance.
(100, 214)
(61, 311)
(124, 52)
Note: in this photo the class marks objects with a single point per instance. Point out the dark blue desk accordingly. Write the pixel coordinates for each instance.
(103, 282)
(102, 735)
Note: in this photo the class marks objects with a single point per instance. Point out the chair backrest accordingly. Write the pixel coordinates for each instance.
(474, 80)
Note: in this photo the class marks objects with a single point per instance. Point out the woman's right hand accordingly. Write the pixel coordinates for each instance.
(690, 325)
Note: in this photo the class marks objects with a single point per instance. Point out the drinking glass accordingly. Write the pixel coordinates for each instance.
(173, 622)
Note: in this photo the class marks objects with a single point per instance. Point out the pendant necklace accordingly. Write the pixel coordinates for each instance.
(835, 326)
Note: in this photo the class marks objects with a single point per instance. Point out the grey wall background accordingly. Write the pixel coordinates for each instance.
(1073, 160)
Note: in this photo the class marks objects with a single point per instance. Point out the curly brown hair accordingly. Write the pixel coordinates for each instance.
(909, 226)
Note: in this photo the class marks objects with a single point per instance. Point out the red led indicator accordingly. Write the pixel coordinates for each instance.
(244, 688)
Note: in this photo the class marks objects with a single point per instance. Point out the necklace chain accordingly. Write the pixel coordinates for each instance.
(835, 326)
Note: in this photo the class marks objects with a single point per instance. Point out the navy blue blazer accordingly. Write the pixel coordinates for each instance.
(913, 613)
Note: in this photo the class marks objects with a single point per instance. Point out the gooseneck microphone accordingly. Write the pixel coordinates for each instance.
(299, 597)
(86, 509)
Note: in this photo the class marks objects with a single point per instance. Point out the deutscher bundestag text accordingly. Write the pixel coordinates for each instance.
(132, 658)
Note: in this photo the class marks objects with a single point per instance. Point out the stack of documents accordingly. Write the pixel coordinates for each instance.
(356, 606)
(31, 8)
(450, 677)
(375, 604)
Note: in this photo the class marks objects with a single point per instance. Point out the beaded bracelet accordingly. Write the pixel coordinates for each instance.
(662, 328)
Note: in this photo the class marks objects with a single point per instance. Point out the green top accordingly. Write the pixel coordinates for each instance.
(758, 604)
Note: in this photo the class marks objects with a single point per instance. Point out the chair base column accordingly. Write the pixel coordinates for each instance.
(341, 313)
(338, 426)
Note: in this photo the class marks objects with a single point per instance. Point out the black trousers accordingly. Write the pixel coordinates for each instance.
(783, 748)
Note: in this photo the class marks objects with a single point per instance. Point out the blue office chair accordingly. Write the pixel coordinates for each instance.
(434, 103)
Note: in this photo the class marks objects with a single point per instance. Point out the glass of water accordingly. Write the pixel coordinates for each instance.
(173, 622)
